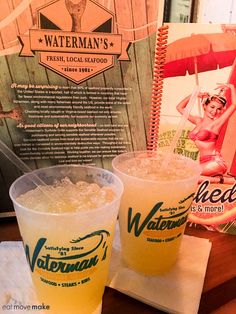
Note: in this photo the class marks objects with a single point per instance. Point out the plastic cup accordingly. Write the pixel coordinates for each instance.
(68, 252)
(154, 208)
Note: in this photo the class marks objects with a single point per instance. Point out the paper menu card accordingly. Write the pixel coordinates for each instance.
(203, 55)
(75, 88)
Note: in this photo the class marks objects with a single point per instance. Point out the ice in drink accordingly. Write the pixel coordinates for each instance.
(68, 234)
(154, 208)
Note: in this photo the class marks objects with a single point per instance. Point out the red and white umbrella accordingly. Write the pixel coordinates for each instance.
(200, 53)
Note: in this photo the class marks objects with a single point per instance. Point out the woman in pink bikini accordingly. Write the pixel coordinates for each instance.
(207, 129)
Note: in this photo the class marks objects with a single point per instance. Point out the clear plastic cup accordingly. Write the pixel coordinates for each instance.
(154, 207)
(68, 252)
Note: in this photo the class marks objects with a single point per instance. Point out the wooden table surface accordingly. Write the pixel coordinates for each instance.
(219, 291)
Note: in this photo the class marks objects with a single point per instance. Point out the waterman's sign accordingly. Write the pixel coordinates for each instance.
(74, 39)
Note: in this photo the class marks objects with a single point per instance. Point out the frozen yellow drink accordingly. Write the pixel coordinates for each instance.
(154, 208)
(67, 229)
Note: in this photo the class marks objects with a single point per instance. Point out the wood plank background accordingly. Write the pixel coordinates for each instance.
(134, 19)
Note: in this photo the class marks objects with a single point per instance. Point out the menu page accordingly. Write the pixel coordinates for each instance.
(202, 57)
(75, 82)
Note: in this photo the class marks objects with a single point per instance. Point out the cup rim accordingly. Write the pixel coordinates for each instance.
(195, 175)
(83, 212)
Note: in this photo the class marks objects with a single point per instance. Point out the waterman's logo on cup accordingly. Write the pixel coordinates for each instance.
(76, 40)
(156, 221)
(71, 262)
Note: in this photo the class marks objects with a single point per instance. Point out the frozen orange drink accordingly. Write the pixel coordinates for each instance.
(154, 207)
(67, 228)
